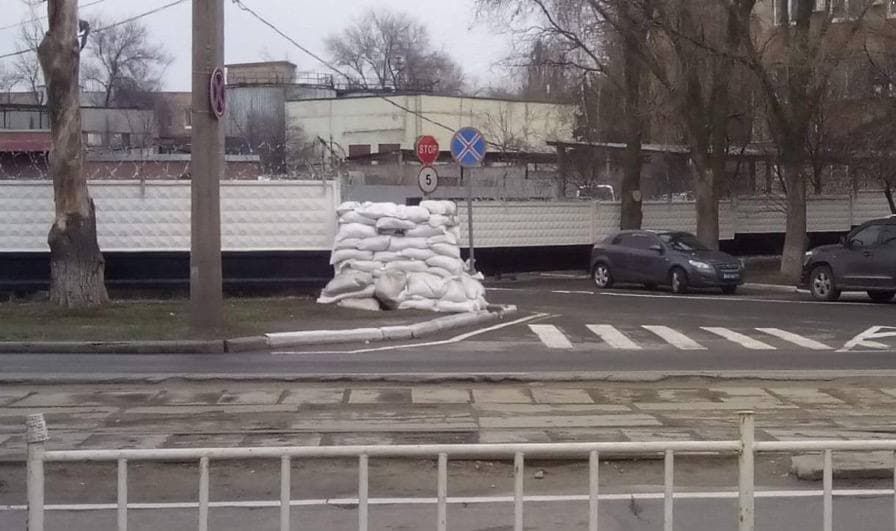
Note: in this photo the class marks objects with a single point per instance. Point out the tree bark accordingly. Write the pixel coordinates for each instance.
(707, 204)
(76, 263)
(631, 214)
(888, 193)
(795, 237)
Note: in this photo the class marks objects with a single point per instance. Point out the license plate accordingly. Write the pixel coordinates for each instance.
(730, 276)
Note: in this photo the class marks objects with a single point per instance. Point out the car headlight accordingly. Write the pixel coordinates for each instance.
(807, 256)
(702, 266)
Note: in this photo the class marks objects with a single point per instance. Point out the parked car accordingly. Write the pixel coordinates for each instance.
(864, 260)
(671, 258)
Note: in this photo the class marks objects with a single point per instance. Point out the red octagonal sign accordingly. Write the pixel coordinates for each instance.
(216, 92)
(427, 150)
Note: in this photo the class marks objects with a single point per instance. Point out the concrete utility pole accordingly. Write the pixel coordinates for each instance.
(207, 165)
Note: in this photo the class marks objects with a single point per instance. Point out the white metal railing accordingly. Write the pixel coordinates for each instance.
(745, 448)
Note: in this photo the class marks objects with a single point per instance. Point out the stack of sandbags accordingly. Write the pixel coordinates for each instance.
(401, 257)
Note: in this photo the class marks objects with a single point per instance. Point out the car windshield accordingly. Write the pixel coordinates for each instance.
(682, 241)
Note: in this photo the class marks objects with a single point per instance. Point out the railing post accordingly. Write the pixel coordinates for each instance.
(36, 437)
(442, 492)
(203, 494)
(363, 491)
(669, 491)
(518, 476)
(285, 492)
(122, 495)
(746, 473)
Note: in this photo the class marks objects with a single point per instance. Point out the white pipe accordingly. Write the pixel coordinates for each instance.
(519, 468)
(122, 495)
(746, 473)
(362, 493)
(593, 490)
(285, 492)
(669, 492)
(828, 477)
(203, 494)
(442, 493)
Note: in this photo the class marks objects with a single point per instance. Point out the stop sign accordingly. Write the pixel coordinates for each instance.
(427, 150)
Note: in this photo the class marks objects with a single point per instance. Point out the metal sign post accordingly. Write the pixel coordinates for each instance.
(468, 148)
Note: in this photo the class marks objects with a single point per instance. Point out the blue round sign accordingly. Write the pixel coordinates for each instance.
(468, 147)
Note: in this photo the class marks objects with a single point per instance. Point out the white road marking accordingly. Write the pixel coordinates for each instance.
(865, 338)
(613, 337)
(796, 339)
(736, 337)
(455, 339)
(674, 337)
(646, 496)
(551, 336)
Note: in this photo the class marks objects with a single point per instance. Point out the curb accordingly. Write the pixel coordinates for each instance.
(772, 287)
(114, 347)
(386, 333)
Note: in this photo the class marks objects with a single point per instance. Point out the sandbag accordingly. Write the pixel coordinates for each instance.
(426, 286)
(424, 231)
(408, 266)
(346, 282)
(417, 214)
(401, 243)
(385, 257)
(457, 307)
(365, 293)
(348, 243)
(473, 288)
(426, 305)
(341, 255)
(348, 206)
(369, 304)
(388, 223)
(355, 230)
(447, 237)
(454, 291)
(441, 208)
(438, 271)
(367, 266)
(452, 265)
(417, 254)
(378, 210)
(377, 243)
(390, 288)
(354, 217)
(446, 249)
(437, 220)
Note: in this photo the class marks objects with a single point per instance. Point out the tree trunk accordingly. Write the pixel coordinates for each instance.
(76, 263)
(630, 187)
(888, 193)
(795, 237)
(707, 204)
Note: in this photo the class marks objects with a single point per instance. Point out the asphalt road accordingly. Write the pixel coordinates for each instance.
(565, 326)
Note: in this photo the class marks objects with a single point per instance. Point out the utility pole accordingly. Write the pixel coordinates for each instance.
(206, 168)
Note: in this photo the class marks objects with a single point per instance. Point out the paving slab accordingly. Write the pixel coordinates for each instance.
(513, 436)
(183, 397)
(569, 421)
(379, 396)
(561, 396)
(313, 396)
(440, 395)
(846, 465)
(544, 409)
(281, 439)
(125, 441)
(250, 397)
(501, 396)
(808, 397)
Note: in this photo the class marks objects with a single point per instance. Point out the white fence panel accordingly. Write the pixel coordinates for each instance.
(759, 215)
(155, 216)
(828, 214)
(670, 215)
(869, 205)
(528, 224)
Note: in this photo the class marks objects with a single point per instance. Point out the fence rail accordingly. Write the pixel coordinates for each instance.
(744, 448)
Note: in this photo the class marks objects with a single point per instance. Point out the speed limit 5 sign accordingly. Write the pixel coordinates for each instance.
(428, 179)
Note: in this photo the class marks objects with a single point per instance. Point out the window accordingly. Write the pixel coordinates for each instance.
(188, 118)
(888, 235)
(388, 148)
(891, 8)
(682, 241)
(93, 139)
(866, 237)
(636, 241)
(819, 6)
(358, 150)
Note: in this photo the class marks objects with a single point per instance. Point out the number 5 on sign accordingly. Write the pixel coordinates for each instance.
(428, 179)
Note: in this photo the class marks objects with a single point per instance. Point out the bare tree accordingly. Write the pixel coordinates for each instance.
(124, 64)
(391, 50)
(77, 267)
(26, 69)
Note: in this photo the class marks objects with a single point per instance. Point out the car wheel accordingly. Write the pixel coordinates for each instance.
(602, 277)
(881, 296)
(678, 278)
(821, 284)
(729, 290)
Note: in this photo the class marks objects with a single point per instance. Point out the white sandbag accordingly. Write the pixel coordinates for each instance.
(347, 206)
(442, 208)
(390, 288)
(424, 231)
(417, 214)
(354, 217)
(446, 249)
(473, 288)
(378, 210)
(426, 286)
(452, 265)
(365, 293)
(408, 266)
(348, 243)
(388, 223)
(437, 220)
(456, 307)
(369, 304)
(385, 257)
(367, 266)
(438, 271)
(377, 243)
(355, 230)
(454, 291)
(454, 231)
(401, 243)
(417, 254)
(346, 282)
(426, 305)
(341, 255)
(447, 237)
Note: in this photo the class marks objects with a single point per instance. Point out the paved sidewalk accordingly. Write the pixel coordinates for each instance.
(172, 415)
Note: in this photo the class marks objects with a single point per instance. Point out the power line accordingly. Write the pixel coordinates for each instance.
(110, 26)
(95, 2)
(316, 57)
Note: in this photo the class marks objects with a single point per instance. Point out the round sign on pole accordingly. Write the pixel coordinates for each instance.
(427, 150)
(216, 89)
(428, 179)
(468, 147)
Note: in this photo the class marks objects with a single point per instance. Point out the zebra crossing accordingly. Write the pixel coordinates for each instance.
(762, 338)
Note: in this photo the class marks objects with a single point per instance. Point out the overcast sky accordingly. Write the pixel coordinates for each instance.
(452, 24)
